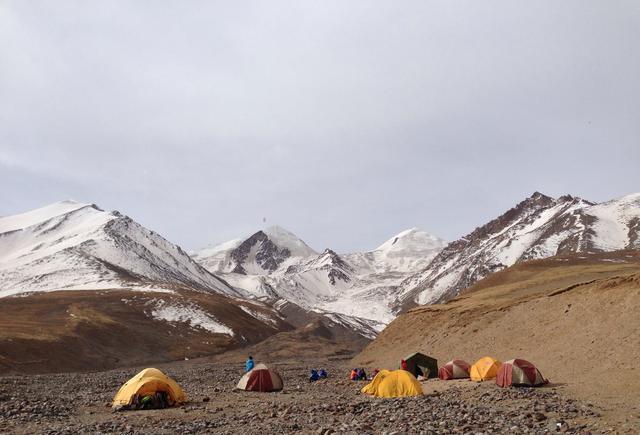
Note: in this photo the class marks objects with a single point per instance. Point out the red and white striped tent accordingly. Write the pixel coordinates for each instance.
(454, 369)
(519, 372)
(260, 378)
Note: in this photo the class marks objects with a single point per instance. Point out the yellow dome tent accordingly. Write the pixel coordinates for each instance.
(372, 387)
(484, 369)
(397, 383)
(149, 381)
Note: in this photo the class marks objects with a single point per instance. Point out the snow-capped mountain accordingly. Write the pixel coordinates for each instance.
(538, 227)
(406, 252)
(70, 245)
(264, 252)
(274, 264)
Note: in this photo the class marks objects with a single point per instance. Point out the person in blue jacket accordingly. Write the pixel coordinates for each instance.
(323, 374)
(248, 366)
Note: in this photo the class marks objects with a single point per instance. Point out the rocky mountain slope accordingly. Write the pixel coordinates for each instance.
(538, 227)
(273, 264)
(70, 245)
(85, 289)
(575, 316)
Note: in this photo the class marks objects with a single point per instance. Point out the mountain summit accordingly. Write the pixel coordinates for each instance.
(72, 245)
(538, 227)
(274, 264)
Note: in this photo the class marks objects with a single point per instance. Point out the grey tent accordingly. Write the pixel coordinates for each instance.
(420, 364)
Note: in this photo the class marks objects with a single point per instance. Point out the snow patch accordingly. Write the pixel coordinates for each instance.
(191, 314)
(259, 315)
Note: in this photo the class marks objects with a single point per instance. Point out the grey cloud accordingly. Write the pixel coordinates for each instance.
(345, 122)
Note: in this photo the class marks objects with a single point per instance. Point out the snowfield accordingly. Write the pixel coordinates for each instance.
(190, 314)
(361, 286)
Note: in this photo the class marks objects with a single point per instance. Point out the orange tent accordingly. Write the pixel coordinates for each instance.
(149, 381)
(484, 369)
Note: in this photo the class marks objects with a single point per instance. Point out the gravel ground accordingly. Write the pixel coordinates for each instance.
(80, 403)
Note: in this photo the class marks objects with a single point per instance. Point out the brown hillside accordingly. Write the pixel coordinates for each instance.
(576, 317)
(69, 331)
(319, 339)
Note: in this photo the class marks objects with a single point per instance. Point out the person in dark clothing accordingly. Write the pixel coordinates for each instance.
(362, 375)
(314, 375)
(323, 374)
(157, 400)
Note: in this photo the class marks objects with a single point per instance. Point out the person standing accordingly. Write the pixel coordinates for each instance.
(248, 366)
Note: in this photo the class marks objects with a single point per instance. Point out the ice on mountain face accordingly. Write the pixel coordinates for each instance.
(70, 245)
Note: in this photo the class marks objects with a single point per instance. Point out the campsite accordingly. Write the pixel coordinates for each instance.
(324, 218)
(82, 403)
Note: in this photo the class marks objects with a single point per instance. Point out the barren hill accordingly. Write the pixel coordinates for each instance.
(576, 317)
(76, 330)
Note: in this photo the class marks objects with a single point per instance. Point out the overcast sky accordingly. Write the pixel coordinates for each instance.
(343, 121)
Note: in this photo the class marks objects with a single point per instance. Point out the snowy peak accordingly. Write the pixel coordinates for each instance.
(275, 264)
(40, 215)
(329, 259)
(407, 252)
(412, 242)
(287, 240)
(328, 263)
(264, 252)
(261, 251)
(538, 227)
(70, 245)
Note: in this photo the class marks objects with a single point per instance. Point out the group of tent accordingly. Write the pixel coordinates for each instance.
(515, 372)
(404, 382)
(151, 387)
(150, 383)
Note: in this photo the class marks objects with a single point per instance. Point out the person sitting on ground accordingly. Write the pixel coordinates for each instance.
(323, 374)
(354, 375)
(362, 375)
(248, 366)
(157, 400)
(403, 364)
(314, 375)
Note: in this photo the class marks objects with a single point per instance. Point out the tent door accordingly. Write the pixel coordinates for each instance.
(422, 371)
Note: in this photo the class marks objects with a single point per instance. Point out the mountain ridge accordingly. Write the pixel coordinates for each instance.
(537, 227)
(262, 265)
(70, 245)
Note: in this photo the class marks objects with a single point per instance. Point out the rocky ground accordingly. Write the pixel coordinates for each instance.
(80, 403)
